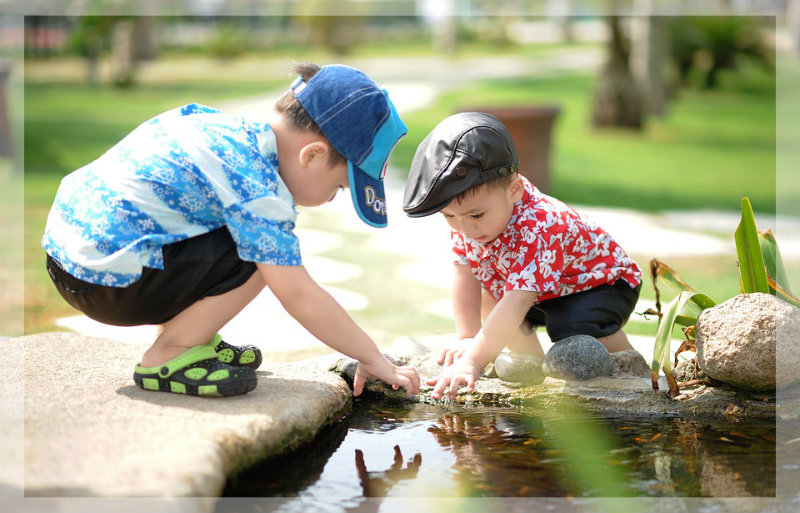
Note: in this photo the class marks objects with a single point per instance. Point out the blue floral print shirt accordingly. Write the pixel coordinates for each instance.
(181, 174)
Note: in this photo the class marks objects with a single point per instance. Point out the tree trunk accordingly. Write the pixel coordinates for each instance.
(649, 57)
(617, 99)
(122, 48)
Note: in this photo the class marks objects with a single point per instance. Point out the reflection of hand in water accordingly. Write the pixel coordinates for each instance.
(466, 439)
(377, 484)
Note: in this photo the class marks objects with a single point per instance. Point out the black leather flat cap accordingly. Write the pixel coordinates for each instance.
(463, 151)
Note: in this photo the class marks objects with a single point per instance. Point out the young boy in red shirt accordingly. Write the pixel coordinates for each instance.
(524, 259)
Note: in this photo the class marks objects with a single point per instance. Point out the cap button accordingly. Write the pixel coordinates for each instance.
(503, 171)
(461, 172)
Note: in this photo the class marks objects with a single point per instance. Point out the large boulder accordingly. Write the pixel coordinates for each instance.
(738, 341)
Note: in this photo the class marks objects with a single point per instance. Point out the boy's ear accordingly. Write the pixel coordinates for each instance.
(313, 151)
(516, 188)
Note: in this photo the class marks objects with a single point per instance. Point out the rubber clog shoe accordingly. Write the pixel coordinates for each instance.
(240, 356)
(197, 371)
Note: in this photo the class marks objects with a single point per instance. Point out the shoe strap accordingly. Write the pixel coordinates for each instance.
(214, 342)
(183, 360)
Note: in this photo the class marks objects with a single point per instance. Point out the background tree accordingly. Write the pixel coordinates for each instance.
(617, 99)
(711, 44)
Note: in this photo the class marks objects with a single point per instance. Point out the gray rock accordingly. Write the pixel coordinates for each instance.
(738, 341)
(90, 431)
(688, 370)
(579, 357)
(406, 349)
(629, 362)
(519, 368)
(346, 367)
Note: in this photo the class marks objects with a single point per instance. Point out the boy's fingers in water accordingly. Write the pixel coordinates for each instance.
(358, 382)
(441, 384)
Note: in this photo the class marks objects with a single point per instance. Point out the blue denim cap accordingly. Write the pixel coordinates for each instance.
(358, 119)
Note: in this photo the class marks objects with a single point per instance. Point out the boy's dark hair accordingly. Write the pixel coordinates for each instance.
(296, 115)
(496, 183)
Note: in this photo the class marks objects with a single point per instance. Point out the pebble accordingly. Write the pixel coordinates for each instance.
(519, 368)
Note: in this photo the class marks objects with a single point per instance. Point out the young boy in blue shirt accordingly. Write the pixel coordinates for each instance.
(184, 221)
(523, 259)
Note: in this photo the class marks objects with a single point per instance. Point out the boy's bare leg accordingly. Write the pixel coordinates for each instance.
(524, 341)
(200, 322)
(616, 342)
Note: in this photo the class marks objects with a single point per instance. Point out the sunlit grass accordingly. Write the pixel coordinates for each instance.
(712, 148)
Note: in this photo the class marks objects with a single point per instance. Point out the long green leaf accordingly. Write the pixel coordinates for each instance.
(660, 270)
(748, 249)
(778, 291)
(661, 352)
(772, 259)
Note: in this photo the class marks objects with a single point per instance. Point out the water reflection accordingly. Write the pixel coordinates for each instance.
(501, 461)
(513, 452)
(379, 483)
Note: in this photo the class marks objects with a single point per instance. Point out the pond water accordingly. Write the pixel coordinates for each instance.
(435, 450)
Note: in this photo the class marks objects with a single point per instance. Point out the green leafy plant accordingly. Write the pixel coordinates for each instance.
(760, 268)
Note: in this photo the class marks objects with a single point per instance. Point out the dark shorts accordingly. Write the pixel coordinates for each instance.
(206, 265)
(598, 312)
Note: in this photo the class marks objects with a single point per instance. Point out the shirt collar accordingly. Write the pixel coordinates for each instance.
(509, 235)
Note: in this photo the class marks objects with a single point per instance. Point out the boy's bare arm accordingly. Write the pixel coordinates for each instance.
(499, 328)
(466, 297)
(325, 318)
(466, 302)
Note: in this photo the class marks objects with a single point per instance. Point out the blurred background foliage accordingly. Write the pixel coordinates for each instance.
(703, 133)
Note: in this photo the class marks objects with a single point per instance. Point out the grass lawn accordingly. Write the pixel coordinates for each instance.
(712, 148)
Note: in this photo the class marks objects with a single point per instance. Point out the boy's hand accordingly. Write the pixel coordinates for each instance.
(463, 372)
(383, 369)
(452, 354)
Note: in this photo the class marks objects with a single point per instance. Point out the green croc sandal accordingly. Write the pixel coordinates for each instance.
(197, 371)
(240, 356)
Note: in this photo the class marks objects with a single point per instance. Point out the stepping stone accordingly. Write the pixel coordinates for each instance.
(579, 357)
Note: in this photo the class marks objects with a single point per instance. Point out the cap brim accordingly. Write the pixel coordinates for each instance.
(369, 197)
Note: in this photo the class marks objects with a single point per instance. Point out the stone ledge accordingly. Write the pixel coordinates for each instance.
(620, 394)
(89, 431)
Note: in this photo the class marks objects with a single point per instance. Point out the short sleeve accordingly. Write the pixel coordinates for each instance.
(459, 248)
(262, 234)
(536, 266)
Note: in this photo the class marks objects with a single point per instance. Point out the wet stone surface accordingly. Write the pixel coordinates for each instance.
(626, 390)
(579, 357)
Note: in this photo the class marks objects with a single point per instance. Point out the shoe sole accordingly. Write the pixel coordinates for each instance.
(237, 387)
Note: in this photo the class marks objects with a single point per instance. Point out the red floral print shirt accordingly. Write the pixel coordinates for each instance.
(547, 247)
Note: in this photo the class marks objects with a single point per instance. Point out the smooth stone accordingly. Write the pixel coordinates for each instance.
(579, 357)
(519, 367)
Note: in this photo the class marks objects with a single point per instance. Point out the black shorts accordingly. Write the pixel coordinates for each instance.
(598, 312)
(206, 265)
